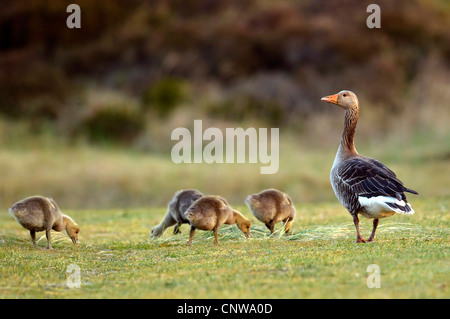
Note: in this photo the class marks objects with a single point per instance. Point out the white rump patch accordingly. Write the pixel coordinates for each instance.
(377, 206)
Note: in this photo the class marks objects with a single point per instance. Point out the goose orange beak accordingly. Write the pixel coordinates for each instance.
(330, 98)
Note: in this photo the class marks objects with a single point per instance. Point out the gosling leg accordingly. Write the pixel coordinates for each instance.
(216, 235)
(176, 229)
(191, 235)
(33, 238)
(271, 226)
(49, 239)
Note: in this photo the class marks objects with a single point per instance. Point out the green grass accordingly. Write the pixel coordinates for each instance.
(318, 260)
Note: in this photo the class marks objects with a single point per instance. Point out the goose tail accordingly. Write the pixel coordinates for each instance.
(411, 191)
(401, 207)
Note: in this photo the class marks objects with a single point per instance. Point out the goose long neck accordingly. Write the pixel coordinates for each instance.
(347, 143)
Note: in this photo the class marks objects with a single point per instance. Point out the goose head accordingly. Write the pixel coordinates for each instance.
(345, 99)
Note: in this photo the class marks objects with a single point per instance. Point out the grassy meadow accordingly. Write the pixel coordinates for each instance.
(318, 260)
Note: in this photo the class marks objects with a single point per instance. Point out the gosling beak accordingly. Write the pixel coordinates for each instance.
(330, 98)
(247, 235)
(74, 240)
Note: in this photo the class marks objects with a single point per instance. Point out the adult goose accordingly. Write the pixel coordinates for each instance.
(362, 184)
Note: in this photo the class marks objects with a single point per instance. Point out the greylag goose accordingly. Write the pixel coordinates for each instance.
(272, 206)
(178, 205)
(211, 212)
(362, 184)
(39, 213)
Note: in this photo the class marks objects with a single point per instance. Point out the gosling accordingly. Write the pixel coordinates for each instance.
(272, 206)
(39, 213)
(176, 211)
(211, 212)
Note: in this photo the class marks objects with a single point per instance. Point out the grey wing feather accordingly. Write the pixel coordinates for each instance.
(368, 178)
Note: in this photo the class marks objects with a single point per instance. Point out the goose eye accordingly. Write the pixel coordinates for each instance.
(345, 95)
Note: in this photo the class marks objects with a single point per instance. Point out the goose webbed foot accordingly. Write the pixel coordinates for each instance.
(359, 239)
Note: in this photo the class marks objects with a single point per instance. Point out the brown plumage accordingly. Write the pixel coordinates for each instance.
(211, 212)
(176, 210)
(39, 213)
(272, 206)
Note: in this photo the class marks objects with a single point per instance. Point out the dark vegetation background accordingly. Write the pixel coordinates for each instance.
(86, 114)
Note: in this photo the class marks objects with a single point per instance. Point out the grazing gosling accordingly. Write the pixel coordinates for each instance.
(37, 213)
(176, 209)
(211, 212)
(272, 206)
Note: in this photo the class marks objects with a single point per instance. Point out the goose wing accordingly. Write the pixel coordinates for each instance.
(365, 178)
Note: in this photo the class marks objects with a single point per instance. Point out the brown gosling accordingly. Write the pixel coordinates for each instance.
(211, 212)
(176, 209)
(272, 206)
(37, 213)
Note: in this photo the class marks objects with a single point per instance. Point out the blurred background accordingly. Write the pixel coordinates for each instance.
(86, 114)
